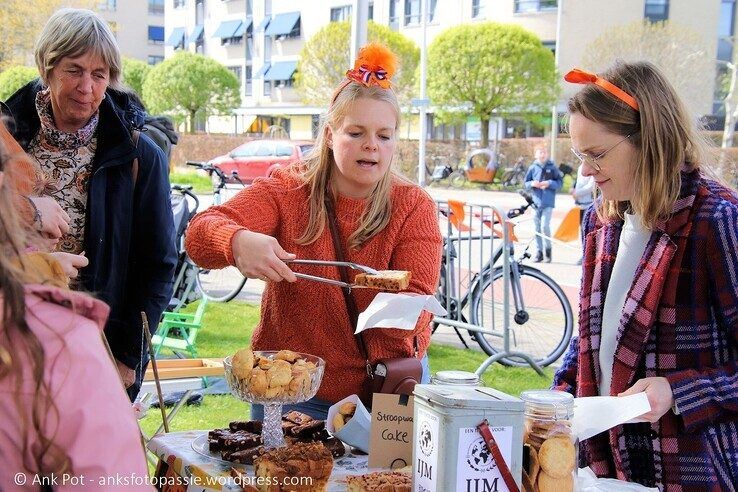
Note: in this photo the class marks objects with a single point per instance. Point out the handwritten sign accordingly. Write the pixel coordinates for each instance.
(391, 438)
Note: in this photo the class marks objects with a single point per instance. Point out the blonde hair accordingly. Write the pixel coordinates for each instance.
(320, 166)
(73, 33)
(664, 135)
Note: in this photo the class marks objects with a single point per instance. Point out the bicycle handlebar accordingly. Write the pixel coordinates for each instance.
(210, 169)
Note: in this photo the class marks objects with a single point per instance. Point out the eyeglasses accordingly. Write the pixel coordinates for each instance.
(593, 160)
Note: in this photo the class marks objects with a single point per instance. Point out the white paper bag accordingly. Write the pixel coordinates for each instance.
(397, 311)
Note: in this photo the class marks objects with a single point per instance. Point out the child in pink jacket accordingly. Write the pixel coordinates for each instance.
(65, 420)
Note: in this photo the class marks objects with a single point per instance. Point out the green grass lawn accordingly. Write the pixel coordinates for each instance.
(200, 183)
(228, 327)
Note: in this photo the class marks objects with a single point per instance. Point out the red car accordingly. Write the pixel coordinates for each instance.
(259, 158)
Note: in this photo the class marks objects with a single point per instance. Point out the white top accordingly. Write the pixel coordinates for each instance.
(583, 189)
(632, 244)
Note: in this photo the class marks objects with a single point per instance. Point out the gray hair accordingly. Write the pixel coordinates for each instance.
(73, 33)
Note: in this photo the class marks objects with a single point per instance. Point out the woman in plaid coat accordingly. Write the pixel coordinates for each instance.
(659, 300)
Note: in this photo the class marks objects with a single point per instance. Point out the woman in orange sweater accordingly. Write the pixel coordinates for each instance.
(383, 221)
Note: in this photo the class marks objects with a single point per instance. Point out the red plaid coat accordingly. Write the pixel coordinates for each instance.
(680, 321)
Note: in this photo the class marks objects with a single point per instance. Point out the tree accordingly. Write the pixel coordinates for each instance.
(22, 21)
(490, 68)
(189, 85)
(134, 74)
(324, 61)
(14, 78)
(678, 51)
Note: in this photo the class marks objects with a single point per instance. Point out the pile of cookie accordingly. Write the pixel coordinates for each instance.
(287, 374)
(549, 457)
(389, 481)
(241, 441)
(345, 412)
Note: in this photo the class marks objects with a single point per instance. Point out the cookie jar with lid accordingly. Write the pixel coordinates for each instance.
(455, 378)
(550, 449)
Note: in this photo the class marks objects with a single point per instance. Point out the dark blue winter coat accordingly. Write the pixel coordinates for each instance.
(129, 232)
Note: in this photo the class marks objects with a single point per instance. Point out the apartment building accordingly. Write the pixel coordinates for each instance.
(260, 40)
(138, 25)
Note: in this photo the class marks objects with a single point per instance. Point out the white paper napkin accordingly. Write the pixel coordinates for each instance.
(596, 414)
(397, 311)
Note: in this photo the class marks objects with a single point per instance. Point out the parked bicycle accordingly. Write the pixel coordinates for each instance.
(223, 284)
(184, 206)
(542, 319)
(442, 171)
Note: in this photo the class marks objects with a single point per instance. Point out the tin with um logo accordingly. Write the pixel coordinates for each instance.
(449, 453)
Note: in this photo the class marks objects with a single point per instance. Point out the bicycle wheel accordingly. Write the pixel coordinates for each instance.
(220, 285)
(457, 179)
(542, 329)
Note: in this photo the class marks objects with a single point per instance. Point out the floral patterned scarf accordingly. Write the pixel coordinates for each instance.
(64, 168)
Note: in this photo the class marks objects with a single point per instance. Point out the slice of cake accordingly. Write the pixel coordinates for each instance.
(389, 481)
(312, 462)
(393, 280)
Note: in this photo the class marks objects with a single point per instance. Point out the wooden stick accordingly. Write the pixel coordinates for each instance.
(152, 357)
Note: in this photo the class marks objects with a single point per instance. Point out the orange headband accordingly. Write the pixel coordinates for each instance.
(374, 66)
(578, 76)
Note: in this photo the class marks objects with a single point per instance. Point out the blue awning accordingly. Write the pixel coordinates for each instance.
(196, 34)
(264, 69)
(226, 29)
(242, 29)
(156, 33)
(283, 24)
(281, 71)
(263, 24)
(175, 39)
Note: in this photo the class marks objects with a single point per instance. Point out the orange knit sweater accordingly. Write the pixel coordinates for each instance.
(311, 317)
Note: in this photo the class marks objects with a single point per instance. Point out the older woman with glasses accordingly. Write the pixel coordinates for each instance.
(659, 300)
(82, 131)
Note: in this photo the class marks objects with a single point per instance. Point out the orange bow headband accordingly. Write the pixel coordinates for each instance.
(374, 66)
(578, 76)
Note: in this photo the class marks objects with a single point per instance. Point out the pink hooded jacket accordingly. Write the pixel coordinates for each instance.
(94, 423)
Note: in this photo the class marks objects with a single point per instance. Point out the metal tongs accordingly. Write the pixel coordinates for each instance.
(354, 266)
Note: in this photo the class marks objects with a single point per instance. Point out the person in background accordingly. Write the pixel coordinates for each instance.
(583, 193)
(544, 179)
(60, 393)
(382, 220)
(659, 299)
(111, 179)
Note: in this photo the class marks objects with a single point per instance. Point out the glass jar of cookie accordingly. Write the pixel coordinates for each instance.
(550, 449)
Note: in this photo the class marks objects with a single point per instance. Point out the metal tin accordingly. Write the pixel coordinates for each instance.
(455, 378)
(449, 453)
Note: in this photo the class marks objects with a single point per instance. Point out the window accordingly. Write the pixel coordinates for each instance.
(199, 12)
(432, 10)
(249, 8)
(342, 13)
(156, 7)
(657, 10)
(267, 88)
(726, 29)
(179, 4)
(231, 41)
(394, 15)
(535, 5)
(371, 11)
(156, 34)
(550, 45)
(477, 8)
(154, 59)
(412, 12)
(237, 71)
(109, 5)
(249, 82)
